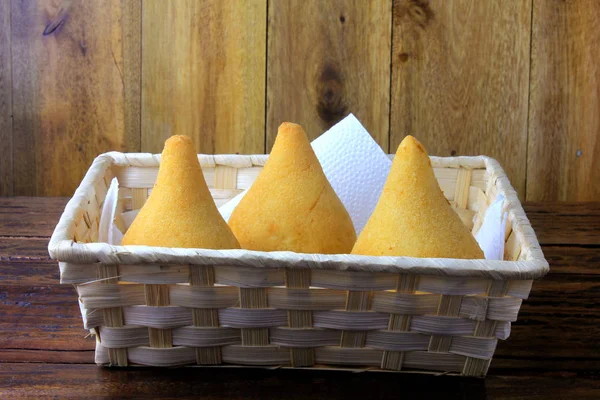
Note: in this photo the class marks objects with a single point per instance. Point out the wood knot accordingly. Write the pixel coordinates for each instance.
(61, 17)
(330, 91)
(417, 11)
(420, 12)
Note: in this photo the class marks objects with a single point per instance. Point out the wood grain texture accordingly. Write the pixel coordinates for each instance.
(569, 224)
(6, 148)
(24, 250)
(564, 123)
(46, 356)
(42, 317)
(326, 60)
(460, 73)
(73, 80)
(30, 217)
(204, 74)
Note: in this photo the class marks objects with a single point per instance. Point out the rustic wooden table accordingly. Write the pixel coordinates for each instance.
(553, 350)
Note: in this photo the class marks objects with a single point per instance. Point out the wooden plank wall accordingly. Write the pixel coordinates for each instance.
(516, 80)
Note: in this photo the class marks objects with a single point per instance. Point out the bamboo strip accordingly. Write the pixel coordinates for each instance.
(352, 280)
(475, 347)
(444, 362)
(304, 338)
(256, 355)
(348, 356)
(449, 306)
(306, 299)
(299, 279)
(113, 317)
(162, 357)
(399, 321)
(127, 336)
(206, 338)
(92, 318)
(203, 297)
(452, 286)
(146, 273)
(503, 308)
(249, 277)
(474, 307)
(158, 317)
(249, 318)
(254, 298)
(138, 198)
(461, 191)
(158, 295)
(512, 249)
(107, 295)
(350, 320)
(225, 177)
(396, 342)
(204, 277)
(519, 288)
(442, 325)
(405, 303)
(487, 328)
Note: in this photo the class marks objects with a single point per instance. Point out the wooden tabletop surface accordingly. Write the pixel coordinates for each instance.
(553, 350)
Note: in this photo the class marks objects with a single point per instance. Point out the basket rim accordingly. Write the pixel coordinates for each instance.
(64, 249)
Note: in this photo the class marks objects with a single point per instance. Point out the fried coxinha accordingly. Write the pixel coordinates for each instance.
(180, 211)
(412, 217)
(291, 205)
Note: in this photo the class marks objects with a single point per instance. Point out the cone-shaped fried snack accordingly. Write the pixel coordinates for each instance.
(291, 205)
(180, 211)
(412, 217)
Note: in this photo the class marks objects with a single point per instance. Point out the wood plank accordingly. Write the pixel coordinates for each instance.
(63, 380)
(567, 224)
(589, 209)
(460, 87)
(204, 74)
(557, 385)
(564, 122)
(560, 319)
(23, 250)
(41, 317)
(6, 140)
(326, 60)
(46, 356)
(29, 273)
(73, 78)
(30, 216)
(502, 365)
(573, 260)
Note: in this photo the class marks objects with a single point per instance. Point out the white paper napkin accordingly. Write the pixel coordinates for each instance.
(491, 234)
(107, 230)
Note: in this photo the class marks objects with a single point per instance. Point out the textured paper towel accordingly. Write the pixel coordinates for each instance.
(353, 163)
(491, 234)
(107, 230)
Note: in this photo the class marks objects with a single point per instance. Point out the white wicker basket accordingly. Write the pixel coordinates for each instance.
(167, 307)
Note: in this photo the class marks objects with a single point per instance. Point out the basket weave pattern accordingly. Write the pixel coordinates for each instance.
(168, 307)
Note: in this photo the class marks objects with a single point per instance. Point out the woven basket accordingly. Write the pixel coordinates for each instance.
(170, 307)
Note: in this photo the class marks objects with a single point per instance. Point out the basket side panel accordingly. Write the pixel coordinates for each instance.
(205, 315)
